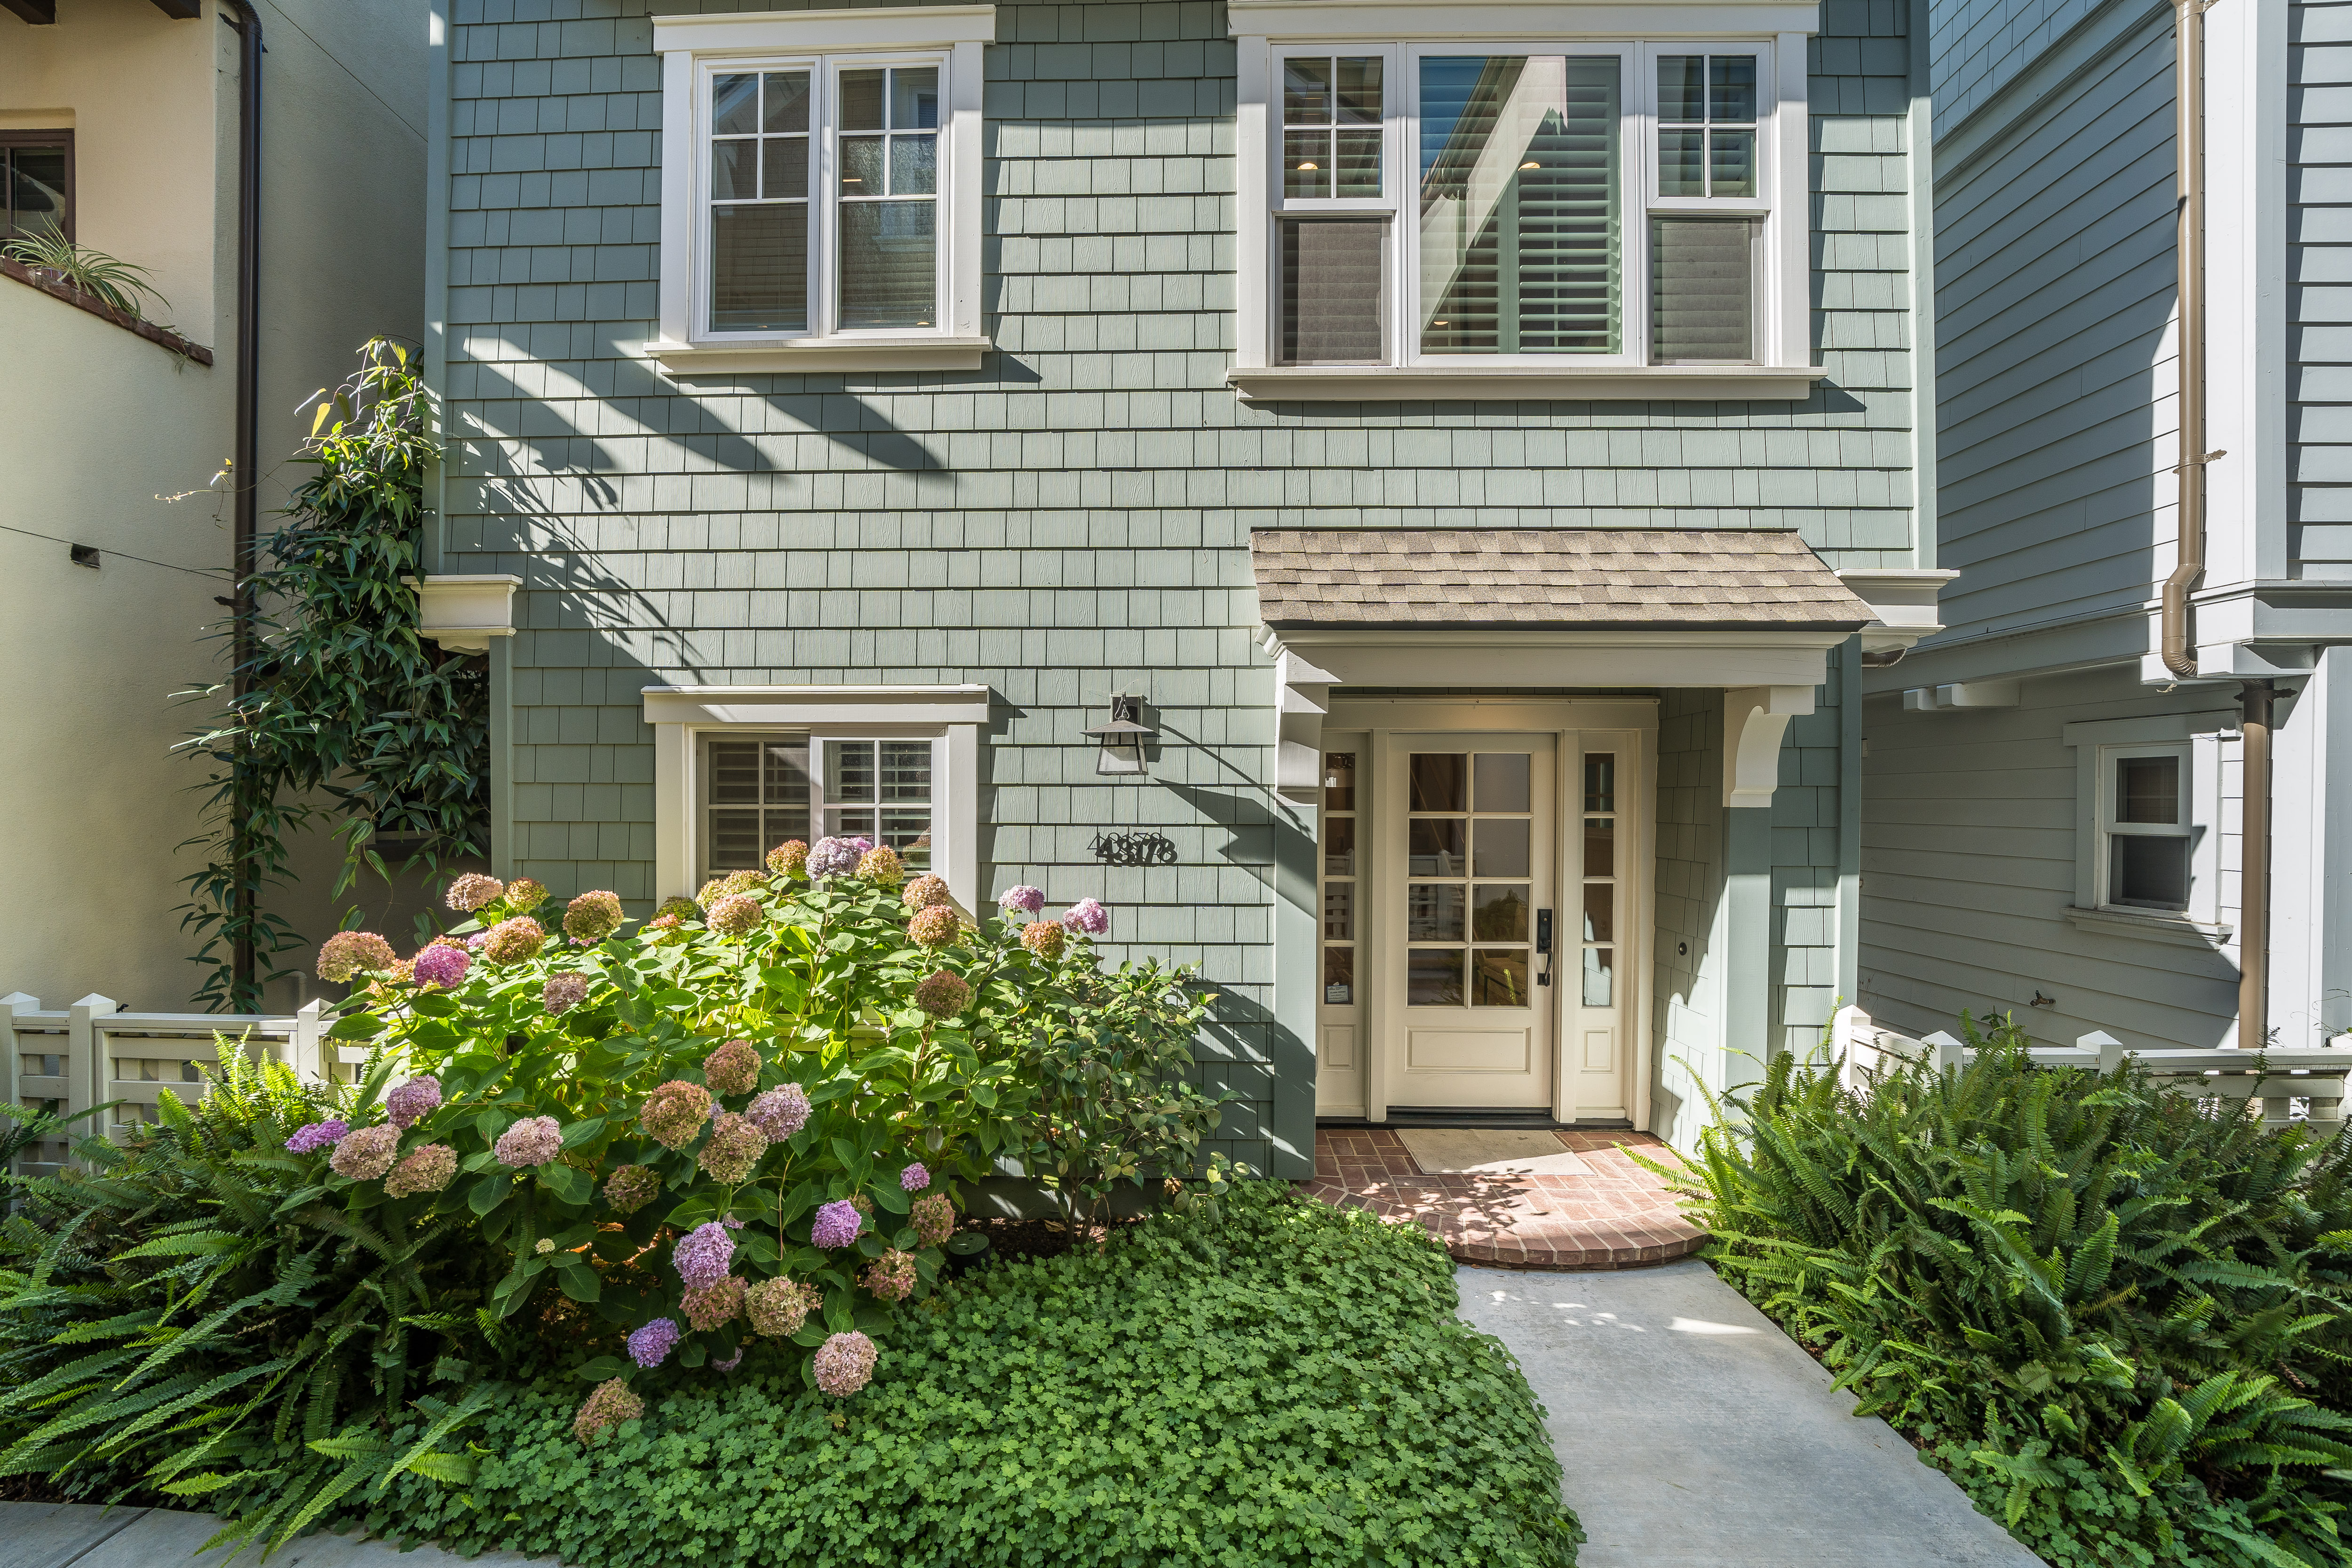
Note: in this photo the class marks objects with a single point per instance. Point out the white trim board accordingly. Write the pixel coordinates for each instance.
(1314, 19)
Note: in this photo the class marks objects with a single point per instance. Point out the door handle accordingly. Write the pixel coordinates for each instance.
(1543, 945)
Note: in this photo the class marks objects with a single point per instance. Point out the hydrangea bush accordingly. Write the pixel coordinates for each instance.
(745, 1121)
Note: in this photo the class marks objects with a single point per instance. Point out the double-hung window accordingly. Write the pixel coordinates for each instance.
(2145, 827)
(820, 190)
(2148, 824)
(1515, 208)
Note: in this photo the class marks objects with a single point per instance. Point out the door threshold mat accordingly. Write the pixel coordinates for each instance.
(1490, 1151)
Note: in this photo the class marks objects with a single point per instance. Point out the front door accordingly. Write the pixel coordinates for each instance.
(1483, 893)
(1467, 850)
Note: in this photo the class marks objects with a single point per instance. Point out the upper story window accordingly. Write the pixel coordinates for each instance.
(1518, 205)
(35, 183)
(825, 213)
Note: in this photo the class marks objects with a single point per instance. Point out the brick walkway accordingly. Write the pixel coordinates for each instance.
(1617, 1217)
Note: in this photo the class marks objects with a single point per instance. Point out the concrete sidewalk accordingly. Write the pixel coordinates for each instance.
(72, 1535)
(1695, 1434)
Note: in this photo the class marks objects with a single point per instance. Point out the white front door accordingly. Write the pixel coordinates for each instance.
(1482, 894)
(1466, 862)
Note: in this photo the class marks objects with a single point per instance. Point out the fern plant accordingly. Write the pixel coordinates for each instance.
(2076, 1284)
(189, 1315)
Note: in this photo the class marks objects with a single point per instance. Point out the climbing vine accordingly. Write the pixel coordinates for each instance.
(334, 710)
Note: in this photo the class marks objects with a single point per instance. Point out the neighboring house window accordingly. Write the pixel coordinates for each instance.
(2144, 825)
(2148, 819)
(820, 191)
(740, 769)
(759, 790)
(36, 182)
(1505, 205)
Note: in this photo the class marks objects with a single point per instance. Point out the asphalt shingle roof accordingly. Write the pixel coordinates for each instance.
(1374, 577)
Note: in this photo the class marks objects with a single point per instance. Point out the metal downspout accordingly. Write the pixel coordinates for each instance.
(245, 469)
(2254, 898)
(2188, 140)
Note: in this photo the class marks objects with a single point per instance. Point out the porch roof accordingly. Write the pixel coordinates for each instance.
(1657, 579)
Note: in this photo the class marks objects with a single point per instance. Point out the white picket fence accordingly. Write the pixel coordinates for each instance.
(2295, 1086)
(92, 1053)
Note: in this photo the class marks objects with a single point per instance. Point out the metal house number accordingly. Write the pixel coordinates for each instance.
(1134, 848)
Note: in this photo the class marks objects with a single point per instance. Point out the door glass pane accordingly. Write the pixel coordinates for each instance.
(1600, 989)
(1434, 912)
(1434, 977)
(1518, 207)
(1498, 977)
(2149, 871)
(2147, 789)
(1501, 847)
(1339, 847)
(1339, 976)
(1600, 781)
(1502, 781)
(1599, 907)
(1339, 911)
(1600, 847)
(1438, 780)
(888, 273)
(1433, 846)
(1340, 780)
(1499, 912)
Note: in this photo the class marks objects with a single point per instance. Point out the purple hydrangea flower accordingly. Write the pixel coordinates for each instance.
(836, 857)
(837, 1225)
(316, 1135)
(1086, 918)
(703, 1254)
(651, 1345)
(779, 1112)
(533, 1140)
(1024, 897)
(914, 1178)
(415, 1099)
(443, 964)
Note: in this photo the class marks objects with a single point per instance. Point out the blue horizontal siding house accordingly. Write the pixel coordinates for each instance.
(1476, 448)
(2100, 796)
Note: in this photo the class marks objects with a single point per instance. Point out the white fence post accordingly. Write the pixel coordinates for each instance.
(1847, 1025)
(12, 1059)
(2110, 1049)
(310, 1038)
(1949, 1052)
(82, 1062)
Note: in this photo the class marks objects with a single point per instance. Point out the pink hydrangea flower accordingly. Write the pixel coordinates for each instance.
(836, 857)
(444, 964)
(935, 925)
(365, 1155)
(933, 1219)
(926, 891)
(675, 1113)
(472, 890)
(350, 952)
(533, 1140)
(789, 859)
(610, 1404)
(593, 916)
(942, 994)
(513, 941)
(737, 914)
(732, 1068)
(914, 1178)
(891, 1277)
(777, 1307)
(1086, 918)
(429, 1170)
(1025, 899)
(563, 993)
(844, 1363)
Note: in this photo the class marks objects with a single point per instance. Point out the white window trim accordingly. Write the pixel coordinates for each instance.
(1265, 29)
(951, 716)
(2096, 744)
(951, 36)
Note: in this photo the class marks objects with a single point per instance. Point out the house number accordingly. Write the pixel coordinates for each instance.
(1134, 848)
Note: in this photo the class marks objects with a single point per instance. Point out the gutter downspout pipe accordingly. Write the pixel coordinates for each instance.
(245, 472)
(2188, 140)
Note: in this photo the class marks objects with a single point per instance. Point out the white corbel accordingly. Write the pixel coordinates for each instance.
(1302, 695)
(464, 613)
(1754, 720)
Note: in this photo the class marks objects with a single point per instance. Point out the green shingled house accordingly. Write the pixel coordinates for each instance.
(1393, 499)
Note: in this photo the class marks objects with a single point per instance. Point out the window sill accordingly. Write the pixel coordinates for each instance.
(927, 352)
(2178, 930)
(1400, 383)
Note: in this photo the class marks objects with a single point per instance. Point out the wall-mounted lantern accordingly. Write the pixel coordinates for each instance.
(1122, 739)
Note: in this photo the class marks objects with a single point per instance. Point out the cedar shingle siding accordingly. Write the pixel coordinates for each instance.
(1073, 519)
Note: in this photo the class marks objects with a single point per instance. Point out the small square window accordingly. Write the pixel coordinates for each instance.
(2145, 828)
(35, 183)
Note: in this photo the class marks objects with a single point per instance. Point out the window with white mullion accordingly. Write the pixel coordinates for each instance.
(886, 169)
(1333, 147)
(757, 176)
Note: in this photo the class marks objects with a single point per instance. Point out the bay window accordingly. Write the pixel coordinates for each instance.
(820, 189)
(1463, 211)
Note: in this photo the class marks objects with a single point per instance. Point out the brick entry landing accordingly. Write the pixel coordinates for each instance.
(1618, 1216)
